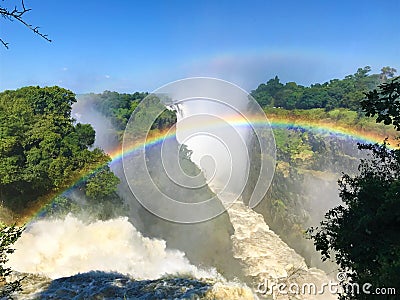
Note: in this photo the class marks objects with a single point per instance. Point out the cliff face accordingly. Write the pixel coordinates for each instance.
(208, 243)
(304, 187)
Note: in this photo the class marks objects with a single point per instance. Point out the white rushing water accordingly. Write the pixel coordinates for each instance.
(59, 248)
(205, 127)
(268, 260)
(127, 265)
(264, 256)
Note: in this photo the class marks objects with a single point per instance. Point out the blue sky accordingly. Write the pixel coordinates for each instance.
(131, 46)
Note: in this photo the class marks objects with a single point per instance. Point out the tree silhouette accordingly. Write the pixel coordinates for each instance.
(387, 72)
(383, 102)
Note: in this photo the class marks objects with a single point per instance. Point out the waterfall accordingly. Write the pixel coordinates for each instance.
(109, 260)
(265, 257)
(262, 253)
(59, 248)
(218, 134)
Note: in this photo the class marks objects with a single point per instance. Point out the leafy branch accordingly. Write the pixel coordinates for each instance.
(8, 236)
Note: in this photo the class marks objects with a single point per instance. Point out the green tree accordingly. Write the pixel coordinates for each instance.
(41, 147)
(118, 107)
(266, 94)
(384, 103)
(60, 207)
(101, 184)
(362, 72)
(387, 72)
(8, 236)
(362, 235)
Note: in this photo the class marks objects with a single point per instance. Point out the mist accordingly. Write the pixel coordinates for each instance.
(207, 244)
(60, 248)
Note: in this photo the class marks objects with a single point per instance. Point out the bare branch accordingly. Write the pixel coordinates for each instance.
(17, 14)
(4, 43)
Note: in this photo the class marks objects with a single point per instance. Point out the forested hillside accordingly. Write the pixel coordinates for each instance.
(119, 108)
(337, 93)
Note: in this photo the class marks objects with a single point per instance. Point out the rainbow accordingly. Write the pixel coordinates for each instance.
(276, 122)
(335, 130)
(323, 128)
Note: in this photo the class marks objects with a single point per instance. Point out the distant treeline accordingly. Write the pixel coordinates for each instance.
(337, 93)
(119, 108)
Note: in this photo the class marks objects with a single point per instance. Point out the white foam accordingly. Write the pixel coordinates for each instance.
(59, 248)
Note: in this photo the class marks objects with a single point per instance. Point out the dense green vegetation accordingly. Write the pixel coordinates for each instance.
(42, 150)
(339, 118)
(362, 234)
(344, 93)
(119, 108)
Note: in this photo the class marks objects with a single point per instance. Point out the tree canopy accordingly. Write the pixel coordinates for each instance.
(41, 147)
(344, 93)
(101, 184)
(384, 103)
(119, 108)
